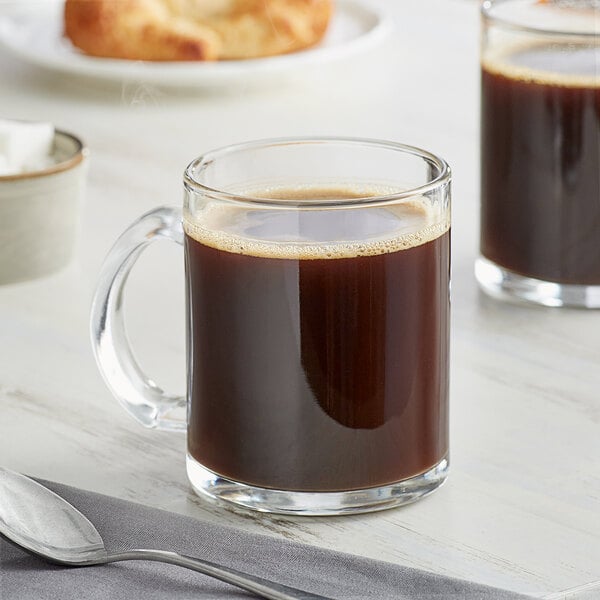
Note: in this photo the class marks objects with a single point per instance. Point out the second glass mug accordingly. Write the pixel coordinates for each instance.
(317, 293)
(540, 152)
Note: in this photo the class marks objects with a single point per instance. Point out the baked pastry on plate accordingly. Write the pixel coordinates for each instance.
(183, 30)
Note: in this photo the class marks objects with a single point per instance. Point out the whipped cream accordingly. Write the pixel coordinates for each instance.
(25, 146)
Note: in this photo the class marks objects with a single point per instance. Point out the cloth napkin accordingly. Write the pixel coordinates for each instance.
(125, 525)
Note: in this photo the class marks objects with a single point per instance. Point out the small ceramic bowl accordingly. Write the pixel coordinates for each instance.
(40, 213)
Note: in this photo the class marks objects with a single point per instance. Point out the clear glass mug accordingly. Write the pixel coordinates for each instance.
(540, 151)
(317, 288)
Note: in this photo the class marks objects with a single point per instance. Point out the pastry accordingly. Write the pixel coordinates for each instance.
(179, 30)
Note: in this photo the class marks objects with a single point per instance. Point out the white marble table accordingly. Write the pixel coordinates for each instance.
(521, 509)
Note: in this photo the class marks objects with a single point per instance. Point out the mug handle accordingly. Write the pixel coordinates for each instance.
(140, 396)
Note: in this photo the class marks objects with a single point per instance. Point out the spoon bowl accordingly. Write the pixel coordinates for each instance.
(41, 522)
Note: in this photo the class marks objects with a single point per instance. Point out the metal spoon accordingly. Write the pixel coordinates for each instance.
(37, 520)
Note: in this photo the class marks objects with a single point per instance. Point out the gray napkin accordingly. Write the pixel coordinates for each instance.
(125, 525)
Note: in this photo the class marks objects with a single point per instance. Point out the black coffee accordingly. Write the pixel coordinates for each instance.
(540, 164)
(318, 368)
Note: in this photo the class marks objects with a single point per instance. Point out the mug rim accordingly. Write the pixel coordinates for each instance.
(488, 6)
(193, 184)
(79, 154)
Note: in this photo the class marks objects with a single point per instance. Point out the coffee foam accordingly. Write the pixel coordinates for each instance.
(378, 230)
(572, 65)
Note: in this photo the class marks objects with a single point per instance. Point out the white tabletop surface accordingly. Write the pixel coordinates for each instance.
(521, 509)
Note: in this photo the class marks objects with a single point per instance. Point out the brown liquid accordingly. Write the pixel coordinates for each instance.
(313, 373)
(540, 143)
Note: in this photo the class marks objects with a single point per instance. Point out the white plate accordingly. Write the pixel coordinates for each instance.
(37, 38)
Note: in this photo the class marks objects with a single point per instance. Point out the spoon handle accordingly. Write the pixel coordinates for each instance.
(261, 587)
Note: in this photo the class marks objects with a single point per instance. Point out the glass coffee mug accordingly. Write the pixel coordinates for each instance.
(317, 287)
(540, 151)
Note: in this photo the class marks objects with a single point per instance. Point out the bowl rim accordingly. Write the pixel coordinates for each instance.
(77, 157)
